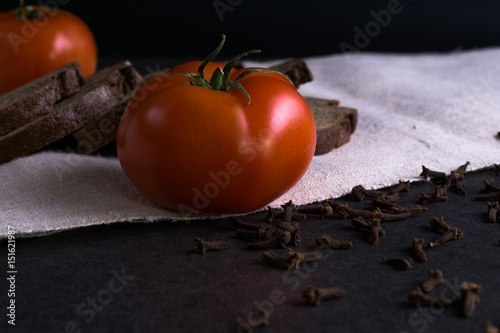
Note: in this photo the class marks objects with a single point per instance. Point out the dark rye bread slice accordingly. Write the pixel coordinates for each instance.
(101, 130)
(334, 124)
(38, 97)
(104, 128)
(296, 70)
(99, 93)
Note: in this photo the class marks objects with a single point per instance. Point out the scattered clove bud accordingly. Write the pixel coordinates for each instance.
(488, 196)
(359, 192)
(375, 228)
(434, 280)
(324, 210)
(493, 211)
(427, 173)
(292, 260)
(288, 208)
(298, 258)
(280, 238)
(457, 182)
(258, 318)
(490, 328)
(470, 297)
(203, 246)
(345, 211)
(384, 217)
(496, 170)
(360, 223)
(325, 242)
(294, 231)
(417, 249)
(401, 187)
(252, 235)
(272, 259)
(426, 198)
(314, 296)
(438, 223)
(399, 262)
(417, 298)
(489, 186)
(393, 208)
(270, 214)
(449, 235)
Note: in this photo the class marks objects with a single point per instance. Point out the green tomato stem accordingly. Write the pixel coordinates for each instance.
(220, 77)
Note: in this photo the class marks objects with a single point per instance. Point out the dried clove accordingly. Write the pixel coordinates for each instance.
(417, 298)
(489, 186)
(393, 208)
(270, 214)
(438, 223)
(470, 297)
(288, 208)
(493, 211)
(427, 173)
(426, 198)
(384, 217)
(417, 249)
(298, 258)
(324, 210)
(252, 235)
(490, 328)
(496, 170)
(360, 223)
(375, 229)
(345, 211)
(488, 196)
(460, 171)
(399, 262)
(272, 259)
(280, 238)
(292, 260)
(294, 231)
(401, 187)
(359, 192)
(258, 318)
(434, 280)
(325, 242)
(314, 296)
(449, 235)
(203, 246)
(457, 182)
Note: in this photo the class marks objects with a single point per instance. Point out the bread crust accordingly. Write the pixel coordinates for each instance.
(101, 92)
(38, 98)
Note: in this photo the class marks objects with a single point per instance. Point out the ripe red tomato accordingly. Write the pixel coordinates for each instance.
(40, 44)
(190, 148)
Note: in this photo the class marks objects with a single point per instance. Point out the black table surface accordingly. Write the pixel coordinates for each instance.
(145, 277)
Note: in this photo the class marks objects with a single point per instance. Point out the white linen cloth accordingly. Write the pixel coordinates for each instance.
(438, 110)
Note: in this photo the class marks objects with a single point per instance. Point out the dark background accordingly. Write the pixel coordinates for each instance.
(192, 28)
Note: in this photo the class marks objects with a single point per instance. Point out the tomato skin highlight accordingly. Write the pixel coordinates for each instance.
(32, 48)
(194, 149)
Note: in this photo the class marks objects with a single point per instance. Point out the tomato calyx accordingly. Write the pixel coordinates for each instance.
(220, 77)
(30, 13)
